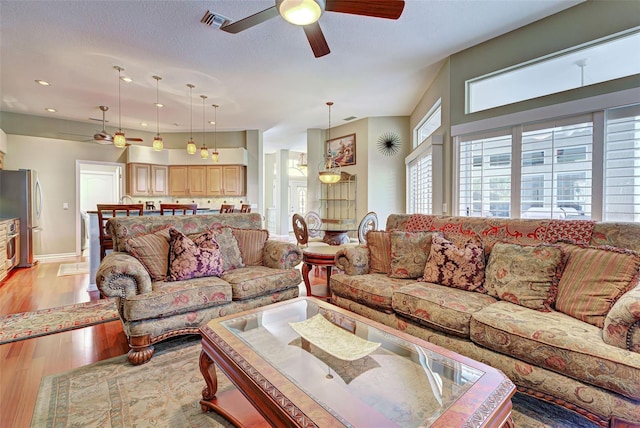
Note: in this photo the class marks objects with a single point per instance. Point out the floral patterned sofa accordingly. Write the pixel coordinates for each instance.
(172, 274)
(554, 304)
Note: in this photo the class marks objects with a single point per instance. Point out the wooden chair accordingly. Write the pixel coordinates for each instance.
(181, 209)
(107, 211)
(314, 222)
(301, 232)
(226, 208)
(245, 208)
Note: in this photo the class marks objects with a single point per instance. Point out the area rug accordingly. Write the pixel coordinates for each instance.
(73, 269)
(166, 391)
(27, 325)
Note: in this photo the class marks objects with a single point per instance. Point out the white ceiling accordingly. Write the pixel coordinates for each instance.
(264, 78)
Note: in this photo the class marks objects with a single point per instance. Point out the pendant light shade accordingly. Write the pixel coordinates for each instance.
(191, 145)
(204, 151)
(119, 140)
(158, 145)
(329, 170)
(215, 156)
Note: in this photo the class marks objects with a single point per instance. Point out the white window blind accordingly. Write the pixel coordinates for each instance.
(421, 184)
(556, 171)
(485, 177)
(622, 165)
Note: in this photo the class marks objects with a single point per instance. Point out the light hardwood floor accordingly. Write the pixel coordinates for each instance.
(24, 363)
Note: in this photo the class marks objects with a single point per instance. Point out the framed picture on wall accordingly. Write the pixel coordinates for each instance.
(343, 149)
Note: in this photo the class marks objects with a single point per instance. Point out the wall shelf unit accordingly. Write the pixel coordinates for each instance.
(338, 201)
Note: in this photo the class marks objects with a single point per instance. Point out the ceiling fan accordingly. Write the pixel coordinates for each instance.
(103, 137)
(306, 14)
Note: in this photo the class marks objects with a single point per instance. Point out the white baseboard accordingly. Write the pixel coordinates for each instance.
(54, 258)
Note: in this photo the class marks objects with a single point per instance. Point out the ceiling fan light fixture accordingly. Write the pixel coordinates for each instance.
(119, 140)
(301, 12)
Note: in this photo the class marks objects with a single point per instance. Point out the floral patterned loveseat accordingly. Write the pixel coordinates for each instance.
(554, 304)
(163, 291)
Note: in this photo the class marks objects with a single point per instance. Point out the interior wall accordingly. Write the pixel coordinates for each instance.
(55, 162)
(580, 24)
(386, 183)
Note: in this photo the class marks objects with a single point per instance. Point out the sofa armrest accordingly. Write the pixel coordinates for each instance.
(353, 260)
(122, 275)
(281, 255)
(622, 323)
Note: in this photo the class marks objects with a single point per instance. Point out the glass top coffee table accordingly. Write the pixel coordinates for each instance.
(305, 362)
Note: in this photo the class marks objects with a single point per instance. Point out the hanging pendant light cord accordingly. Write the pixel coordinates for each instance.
(215, 127)
(157, 107)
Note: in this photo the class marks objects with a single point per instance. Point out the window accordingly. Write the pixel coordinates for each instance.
(428, 125)
(485, 177)
(421, 184)
(556, 186)
(610, 58)
(621, 191)
(420, 163)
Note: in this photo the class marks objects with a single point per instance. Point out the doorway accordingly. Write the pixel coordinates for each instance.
(96, 183)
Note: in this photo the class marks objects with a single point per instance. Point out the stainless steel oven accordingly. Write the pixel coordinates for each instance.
(13, 244)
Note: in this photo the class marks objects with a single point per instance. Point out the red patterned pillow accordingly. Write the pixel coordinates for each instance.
(409, 252)
(189, 260)
(459, 266)
(594, 279)
(525, 275)
(152, 251)
(379, 244)
(251, 243)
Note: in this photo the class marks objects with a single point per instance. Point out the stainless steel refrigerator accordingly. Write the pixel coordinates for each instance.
(21, 197)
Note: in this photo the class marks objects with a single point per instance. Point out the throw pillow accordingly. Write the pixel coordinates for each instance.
(379, 244)
(152, 250)
(409, 252)
(189, 260)
(231, 255)
(251, 243)
(594, 279)
(459, 266)
(525, 275)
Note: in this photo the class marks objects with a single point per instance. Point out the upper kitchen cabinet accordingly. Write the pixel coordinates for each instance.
(225, 180)
(146, 180)
(187, 180)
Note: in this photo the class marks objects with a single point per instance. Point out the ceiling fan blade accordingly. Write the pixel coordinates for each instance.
(138, 140)
(316, 39)
(250, 21)
(389, 9)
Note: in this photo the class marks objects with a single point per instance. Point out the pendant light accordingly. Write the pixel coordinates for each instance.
(215, 156)
(329, 169)
(191, 145)
(158, 145)
(204, 151)
(119, 139)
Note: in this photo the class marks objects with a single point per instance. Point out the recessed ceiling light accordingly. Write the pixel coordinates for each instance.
(51, 110)
(143, 124)
(212, 122)
(158, 104)
(126, 79)
(43, 83)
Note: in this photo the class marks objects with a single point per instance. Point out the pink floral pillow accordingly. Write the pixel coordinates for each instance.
(459, 266)
(188, 259)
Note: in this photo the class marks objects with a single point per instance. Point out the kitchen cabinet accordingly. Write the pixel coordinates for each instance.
(187, 180)
(225, 180)
(146, 179)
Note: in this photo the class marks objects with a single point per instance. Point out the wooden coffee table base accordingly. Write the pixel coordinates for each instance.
(230, 404)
